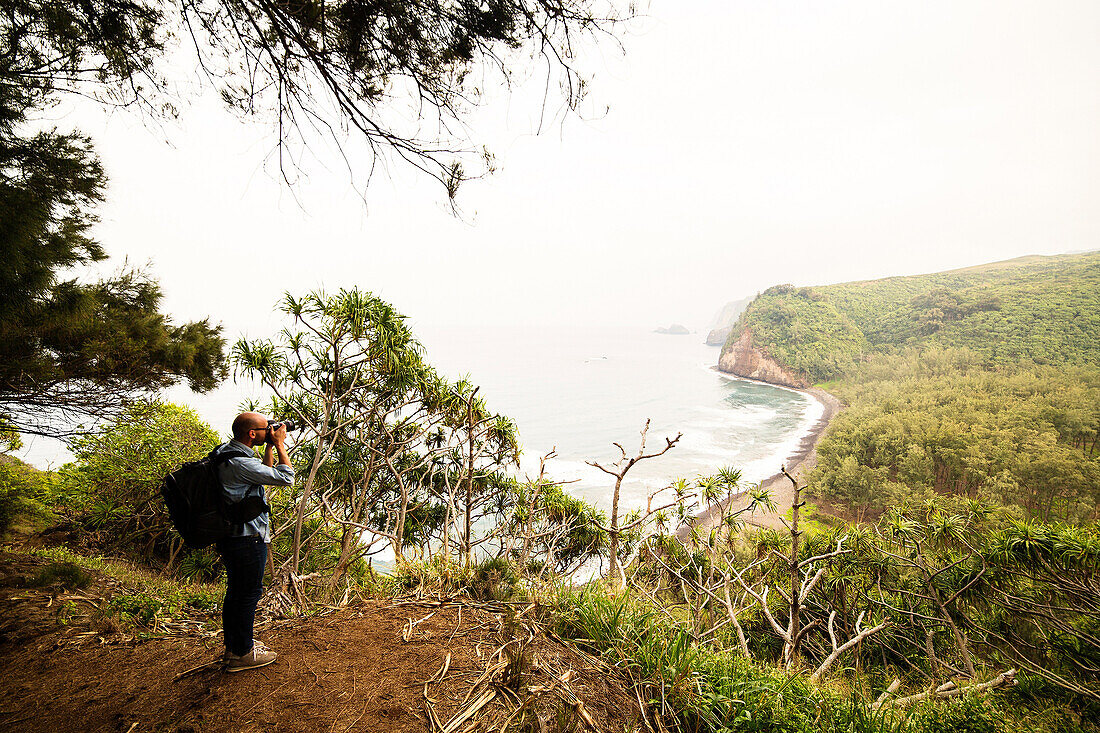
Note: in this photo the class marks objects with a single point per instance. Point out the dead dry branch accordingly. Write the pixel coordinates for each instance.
(947, 689)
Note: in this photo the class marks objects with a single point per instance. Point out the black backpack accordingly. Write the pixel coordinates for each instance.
(198, 506)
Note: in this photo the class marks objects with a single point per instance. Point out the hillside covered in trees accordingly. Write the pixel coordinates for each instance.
(1040, 309)
(983, 382)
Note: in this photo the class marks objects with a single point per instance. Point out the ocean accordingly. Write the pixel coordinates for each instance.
(580, 390)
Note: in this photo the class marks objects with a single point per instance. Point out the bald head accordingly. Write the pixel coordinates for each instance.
(247, 421)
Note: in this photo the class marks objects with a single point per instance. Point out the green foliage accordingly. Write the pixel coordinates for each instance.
(982, 382)
(555, 531)
(67, 575)
(72, 350)
(134, 609)
(802, 330)
(954, 584)
(1023, 595)
(127, 459)
(53, 46)
(143, 595)
(437, 574)
(26, 494)
(200, 566)
(494, 579)
(703, 689)
(1044, 310)
(1051, 708)
(968, 714)
(116, 477)
(930, 422)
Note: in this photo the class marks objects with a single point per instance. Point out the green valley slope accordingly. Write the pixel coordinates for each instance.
(1042, 309)
(982, 383)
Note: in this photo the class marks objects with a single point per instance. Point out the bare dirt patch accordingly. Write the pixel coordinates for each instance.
(377, 666)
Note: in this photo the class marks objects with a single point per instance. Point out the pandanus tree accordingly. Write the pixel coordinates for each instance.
(386, 441)
(549, 531)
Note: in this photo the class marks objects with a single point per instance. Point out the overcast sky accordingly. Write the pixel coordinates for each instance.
(746, 144)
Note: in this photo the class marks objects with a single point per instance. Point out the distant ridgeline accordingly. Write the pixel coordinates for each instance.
(1044, 309)
(724, 321)
(982, 382)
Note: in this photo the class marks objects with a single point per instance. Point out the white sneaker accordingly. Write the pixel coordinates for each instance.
(226, 655)
(259, 656)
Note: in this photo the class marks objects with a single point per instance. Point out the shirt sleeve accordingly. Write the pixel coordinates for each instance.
(253, 471)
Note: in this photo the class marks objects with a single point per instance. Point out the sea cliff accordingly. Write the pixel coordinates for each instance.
(718, 336)
(742, 359)
(725, 319)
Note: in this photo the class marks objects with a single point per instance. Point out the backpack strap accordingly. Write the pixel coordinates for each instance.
(219, 459)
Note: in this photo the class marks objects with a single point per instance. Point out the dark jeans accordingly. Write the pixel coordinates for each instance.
(244, 559)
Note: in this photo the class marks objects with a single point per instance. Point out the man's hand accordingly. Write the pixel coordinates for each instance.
(276, 434)
(275, 438)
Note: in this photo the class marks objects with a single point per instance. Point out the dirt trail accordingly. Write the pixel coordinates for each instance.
(798, 465)
(348, 671)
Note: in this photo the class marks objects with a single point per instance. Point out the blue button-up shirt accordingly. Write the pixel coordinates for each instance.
(243, 471)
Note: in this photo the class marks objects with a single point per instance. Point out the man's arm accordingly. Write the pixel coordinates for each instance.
(251, 471)
(276, 438)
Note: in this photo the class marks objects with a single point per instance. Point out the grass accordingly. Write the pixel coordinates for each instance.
(67, 575)
(143, 597)
(707, 690)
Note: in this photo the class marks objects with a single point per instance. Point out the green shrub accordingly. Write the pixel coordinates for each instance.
(24, 494)
(200, 566)
(1039, 704)
(444, 578)
(705, 690)
(494, 580)
(67, 575)
(969, 714)
(115, 480)
(199, 598)
(139, 609)
(9, 508)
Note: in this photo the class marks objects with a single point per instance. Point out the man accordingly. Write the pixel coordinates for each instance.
(244, 554)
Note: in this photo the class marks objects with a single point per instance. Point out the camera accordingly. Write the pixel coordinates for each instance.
(290, 425)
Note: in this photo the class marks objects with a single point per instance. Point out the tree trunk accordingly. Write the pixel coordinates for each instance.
(613, 535)
(467, 546)
(796, 602)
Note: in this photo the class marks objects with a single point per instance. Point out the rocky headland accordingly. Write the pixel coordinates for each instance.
(725, 319)
(718, 336)
(742, 359)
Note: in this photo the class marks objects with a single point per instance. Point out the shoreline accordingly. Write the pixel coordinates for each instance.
(797, 464)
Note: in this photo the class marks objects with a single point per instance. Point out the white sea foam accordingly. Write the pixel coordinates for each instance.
(706, 446)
